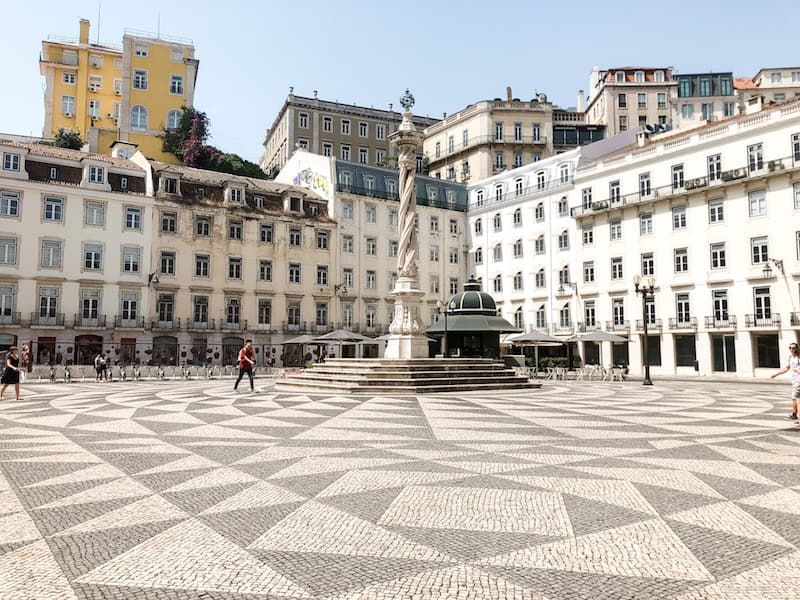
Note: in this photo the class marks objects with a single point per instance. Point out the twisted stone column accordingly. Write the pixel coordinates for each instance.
(406, 340)
(407, 252)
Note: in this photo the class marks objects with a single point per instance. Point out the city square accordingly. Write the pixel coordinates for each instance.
(187, 490)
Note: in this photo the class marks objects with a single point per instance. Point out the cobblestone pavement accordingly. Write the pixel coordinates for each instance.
(185, 490)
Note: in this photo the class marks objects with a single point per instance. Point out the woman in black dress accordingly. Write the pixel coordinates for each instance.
(11, 372)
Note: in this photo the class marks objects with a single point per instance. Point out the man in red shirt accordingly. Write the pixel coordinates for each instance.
(246, 364)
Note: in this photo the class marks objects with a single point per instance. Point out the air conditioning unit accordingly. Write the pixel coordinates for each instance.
(698, 182)
(775, 165)
(116, 121)
(118, 92)
(733, 174)
(67, 114)
(109, 115)
(95, 64)
(93, 87)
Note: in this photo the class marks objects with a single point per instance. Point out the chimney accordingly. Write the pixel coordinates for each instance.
(508, 93)
(581, 101)
(83, 37)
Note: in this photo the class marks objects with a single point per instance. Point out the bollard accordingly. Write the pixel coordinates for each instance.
(52, 374)
(160, 373)
(137, 373)
(123, 373)
(67, 374)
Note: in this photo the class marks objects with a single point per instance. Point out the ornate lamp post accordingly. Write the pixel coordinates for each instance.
(647, 293)
(443, 311)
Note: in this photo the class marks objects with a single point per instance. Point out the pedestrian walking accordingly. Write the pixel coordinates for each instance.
(793, 366)
(99, 364)
(246, 364)
(11, 372)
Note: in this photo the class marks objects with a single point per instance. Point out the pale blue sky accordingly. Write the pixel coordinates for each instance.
(450, 54)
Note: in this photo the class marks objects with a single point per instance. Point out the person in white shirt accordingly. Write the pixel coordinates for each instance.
(792, 365)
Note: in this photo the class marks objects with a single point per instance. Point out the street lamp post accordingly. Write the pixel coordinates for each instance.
(443, 311)
(648, 293)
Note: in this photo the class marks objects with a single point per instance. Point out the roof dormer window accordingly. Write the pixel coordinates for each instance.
(619, 76)
(659, 76)
(97, 174)
(237, 195)
(170, 185)
(11, 161)
(638, 76)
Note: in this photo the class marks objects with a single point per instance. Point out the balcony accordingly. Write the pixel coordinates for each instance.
(120, 323)
(240, 325)
(618, 326)
(717, 323)
(564, 329)
(794, 319)
(683, 324)
(207, 325)
(299, 327)
(586, 327)
(652, 325)
(770, 322)
(172, 325)
(11, 318)
(48, 320)
(726, 178)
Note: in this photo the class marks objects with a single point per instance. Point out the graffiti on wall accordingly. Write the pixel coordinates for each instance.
(312, 180)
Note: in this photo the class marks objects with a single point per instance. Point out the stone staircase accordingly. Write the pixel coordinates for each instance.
(415, 376)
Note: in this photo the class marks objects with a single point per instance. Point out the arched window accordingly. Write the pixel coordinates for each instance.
(518, 217)
(519, 321)
(479, 198)
(518, 186)
(518, 249)
(139, 118)
(478, 226)
(563, 240)
(638, 76)
(498, 283)
(498, 192)
(497, 222)
(539, 212)
(478, 256)
(563, 173)
(173, 119)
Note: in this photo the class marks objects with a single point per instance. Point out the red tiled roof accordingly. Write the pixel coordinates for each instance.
(744, 83)
(46, 150)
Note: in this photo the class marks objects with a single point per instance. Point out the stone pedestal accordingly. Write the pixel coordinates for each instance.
(406, 339)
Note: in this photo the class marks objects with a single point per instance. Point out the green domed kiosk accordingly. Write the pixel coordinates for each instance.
(470, 326)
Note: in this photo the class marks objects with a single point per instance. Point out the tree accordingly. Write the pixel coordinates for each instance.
(67, 138)
(188, 142)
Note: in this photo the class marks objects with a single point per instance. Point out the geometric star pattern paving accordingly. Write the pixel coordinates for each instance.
(185, 490)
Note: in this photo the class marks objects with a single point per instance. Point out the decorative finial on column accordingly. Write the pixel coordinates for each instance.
(407, 100)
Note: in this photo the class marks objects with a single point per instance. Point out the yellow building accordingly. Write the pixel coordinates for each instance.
(127, 93)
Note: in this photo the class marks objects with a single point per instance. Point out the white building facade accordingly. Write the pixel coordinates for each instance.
(75, 242)
(522, 240)
(713, 215)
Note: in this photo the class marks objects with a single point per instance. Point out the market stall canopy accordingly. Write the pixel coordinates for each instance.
(535, 337)
(340, 335)
(301, 339)
(598, 336)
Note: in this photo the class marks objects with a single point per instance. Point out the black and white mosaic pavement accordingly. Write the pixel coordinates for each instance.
(177, 490)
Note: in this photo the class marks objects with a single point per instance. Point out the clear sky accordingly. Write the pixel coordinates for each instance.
(449, 53)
